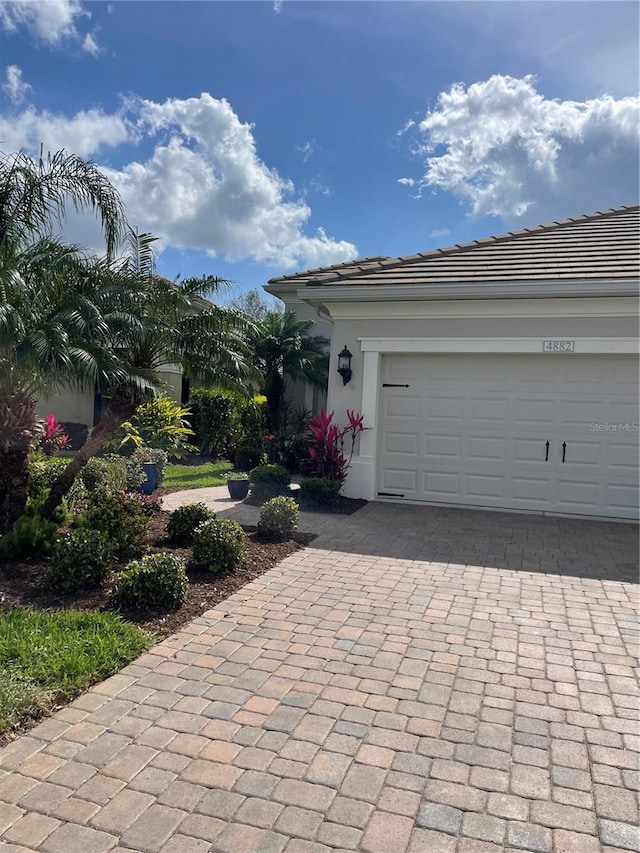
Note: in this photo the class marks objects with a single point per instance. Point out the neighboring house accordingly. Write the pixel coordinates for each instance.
(500, 373)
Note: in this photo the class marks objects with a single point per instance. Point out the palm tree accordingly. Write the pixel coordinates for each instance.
(282, 349)
(174, 324)
(52, 331)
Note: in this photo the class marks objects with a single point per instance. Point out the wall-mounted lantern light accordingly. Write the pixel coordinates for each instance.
(344, 365)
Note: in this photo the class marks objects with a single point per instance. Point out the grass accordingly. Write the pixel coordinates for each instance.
(47, 658)
(195, 476)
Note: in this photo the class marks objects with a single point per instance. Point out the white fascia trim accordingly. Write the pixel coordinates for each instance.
(465, 290)
(582, 346)
(559, 307)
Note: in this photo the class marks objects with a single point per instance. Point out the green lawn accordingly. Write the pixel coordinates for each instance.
(195, 476)
(51, 657)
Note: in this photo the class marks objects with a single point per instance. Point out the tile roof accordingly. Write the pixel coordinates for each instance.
(346, 267)
(601, 245)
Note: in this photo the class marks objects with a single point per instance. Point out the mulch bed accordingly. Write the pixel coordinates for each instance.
(21, 585)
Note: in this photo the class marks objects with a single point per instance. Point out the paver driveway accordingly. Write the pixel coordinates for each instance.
(419, 680)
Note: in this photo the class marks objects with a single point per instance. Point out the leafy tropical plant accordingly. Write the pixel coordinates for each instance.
(176, 325)
(54, 439)
(328, 456)
(161, 424)
(54, 326)
(283, 351)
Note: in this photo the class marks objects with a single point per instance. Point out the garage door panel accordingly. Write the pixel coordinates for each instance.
(538, 411)
(402, 406)
(531, 450)
(443, 484)
(485, 448)
(400, 480)
(442, 446)
(474, 430)
(444, 408)
(530, 490)
(485, 486)
(401, 442)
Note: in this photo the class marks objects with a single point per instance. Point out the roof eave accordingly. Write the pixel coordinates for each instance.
(535, 289)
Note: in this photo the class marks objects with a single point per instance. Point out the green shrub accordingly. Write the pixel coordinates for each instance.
(162, 424)
(157, 581)
(247, 458)
(80, 560)
(42, 473)
(184, 520)
(218, 545)
(31, 536)
(112, 472)
(150, 454)
(122, 519)
(278, 519)
(269, 481)
(215, 417)
(319, 491)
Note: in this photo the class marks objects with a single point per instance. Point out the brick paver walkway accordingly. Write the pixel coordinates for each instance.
(419, 680)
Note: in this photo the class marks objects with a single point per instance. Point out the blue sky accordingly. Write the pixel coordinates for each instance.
(256, 139)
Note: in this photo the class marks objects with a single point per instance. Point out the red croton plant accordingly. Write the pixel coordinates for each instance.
(54, 438)
(329, 457)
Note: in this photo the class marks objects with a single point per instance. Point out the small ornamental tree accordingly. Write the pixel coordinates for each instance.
(332, 447)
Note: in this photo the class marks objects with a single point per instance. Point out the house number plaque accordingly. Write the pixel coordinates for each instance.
(557, 346)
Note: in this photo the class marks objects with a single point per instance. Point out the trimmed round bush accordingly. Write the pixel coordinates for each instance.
(269, 481)
(278, 519)
(122, 519)
(218, 545)
(157, 581)
(79, 560)
(184, 520)
(320, 491)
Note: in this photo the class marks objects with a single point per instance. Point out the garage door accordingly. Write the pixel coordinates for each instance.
(548, 433)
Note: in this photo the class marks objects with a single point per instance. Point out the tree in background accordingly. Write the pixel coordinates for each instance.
(253, 304)
(282, 350)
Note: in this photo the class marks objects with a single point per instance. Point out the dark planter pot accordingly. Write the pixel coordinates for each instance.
(151, 472)
(238, 489)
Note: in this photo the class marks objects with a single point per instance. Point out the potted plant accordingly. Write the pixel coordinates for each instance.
(150, 470)
(238, 485)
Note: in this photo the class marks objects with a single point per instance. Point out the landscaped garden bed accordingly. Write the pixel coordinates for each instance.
(26, 694)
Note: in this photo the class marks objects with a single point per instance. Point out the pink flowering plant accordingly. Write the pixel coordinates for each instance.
(332, 447)
(54, 439)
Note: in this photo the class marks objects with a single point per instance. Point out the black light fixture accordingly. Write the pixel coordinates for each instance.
(344, 365)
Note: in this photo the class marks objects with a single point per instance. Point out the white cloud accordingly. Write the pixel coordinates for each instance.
(84, 133)
(505, 149)
(277, 6)
(90, 45)
(202, 186)
(440, 232)
(52, 21)
(14, 86)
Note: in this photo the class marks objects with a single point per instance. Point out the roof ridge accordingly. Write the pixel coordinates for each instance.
(459, 248)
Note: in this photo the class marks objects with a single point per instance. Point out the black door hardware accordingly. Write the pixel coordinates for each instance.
(546, 456)
(389, 495)
(393, 385)
(564, 450)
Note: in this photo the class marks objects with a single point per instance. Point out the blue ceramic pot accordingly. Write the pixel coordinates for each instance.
(151, 471)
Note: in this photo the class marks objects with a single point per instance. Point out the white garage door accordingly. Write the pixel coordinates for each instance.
(549, 433)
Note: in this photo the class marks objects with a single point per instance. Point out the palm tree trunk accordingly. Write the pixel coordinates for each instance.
(17, 427)
(274, 392)
(100, 435)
